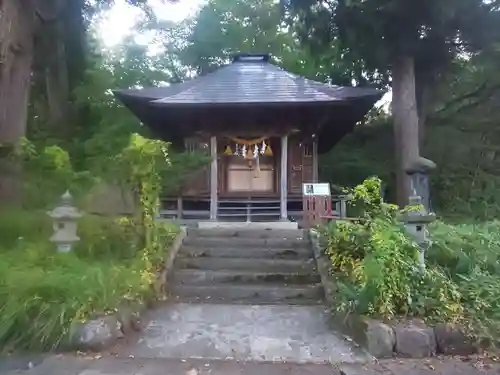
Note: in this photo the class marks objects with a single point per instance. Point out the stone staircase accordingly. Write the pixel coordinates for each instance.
(246, 266)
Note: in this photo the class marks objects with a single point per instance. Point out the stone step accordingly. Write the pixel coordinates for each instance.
(259, 265)
(246, 252)
(196, 277)
(245, 293)
(247, 233)
(240, 242)
(253, 301)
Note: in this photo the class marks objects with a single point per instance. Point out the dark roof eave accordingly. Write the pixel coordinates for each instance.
(373, 98)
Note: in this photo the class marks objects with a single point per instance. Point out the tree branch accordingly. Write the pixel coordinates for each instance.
(465, 96)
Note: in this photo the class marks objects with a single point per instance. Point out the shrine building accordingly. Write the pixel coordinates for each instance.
(263, 128)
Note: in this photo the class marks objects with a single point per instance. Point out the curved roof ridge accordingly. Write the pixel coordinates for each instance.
(248, 81)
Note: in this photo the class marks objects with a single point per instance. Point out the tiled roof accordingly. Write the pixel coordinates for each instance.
(250, 79)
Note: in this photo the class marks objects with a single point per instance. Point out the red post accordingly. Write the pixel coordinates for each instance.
(316, 209)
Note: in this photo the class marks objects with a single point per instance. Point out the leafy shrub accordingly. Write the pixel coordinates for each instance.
(462, 248)
(470, 253)
(47, 174)
(43, 294)
(376, 267)
(16, 225)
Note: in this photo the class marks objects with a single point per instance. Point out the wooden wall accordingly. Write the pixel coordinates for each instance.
(300, 167)
(300, 164)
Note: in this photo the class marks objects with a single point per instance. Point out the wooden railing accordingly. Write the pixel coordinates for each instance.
(245, 209)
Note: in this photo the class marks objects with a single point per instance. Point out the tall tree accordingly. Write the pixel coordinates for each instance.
(17, 22)
(225, 27)
(52, 33)
(406, 38)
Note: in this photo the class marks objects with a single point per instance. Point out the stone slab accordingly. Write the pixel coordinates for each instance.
(378, 338)
(414, 342)
(247, 232)
(111, 365)
(20, 362)
(246, 252)
(451, 340)
(260, 265)
(56, 365)
(204, 277)
(251, 225)
(249, 301)
(242, 293)
(299, 334)
(365, 369)
(241, 242)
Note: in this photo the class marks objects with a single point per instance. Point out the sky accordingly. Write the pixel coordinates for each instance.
(117, 22)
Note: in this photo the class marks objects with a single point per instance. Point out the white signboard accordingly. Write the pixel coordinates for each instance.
(322, 189)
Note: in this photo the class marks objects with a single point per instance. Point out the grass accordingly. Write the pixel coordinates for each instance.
(376, 271)
(44, 294)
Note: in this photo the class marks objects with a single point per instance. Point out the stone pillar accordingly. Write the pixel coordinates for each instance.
(179, 208)
(315, 171)
(284, 178)
(213, 179)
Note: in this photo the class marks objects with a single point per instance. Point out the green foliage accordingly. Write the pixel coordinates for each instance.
(182, 165)
(377, 263)
(376, 268)
(142, 163)
(372, 34)
(368, 151)
(368, 199)
(470, 253)
(47, 174)
(225, 27)
(44, 294)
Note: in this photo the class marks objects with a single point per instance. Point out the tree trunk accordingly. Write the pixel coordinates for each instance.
(405, 123)
(56, 81)
(17, 20)
(423, 99)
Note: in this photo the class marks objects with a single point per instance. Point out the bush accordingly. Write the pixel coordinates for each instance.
(43, 294)
(376, 267)
(470, 255)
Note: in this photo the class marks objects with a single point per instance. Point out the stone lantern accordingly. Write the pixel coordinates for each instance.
(65, 218)
(416, 220)
(419, 179)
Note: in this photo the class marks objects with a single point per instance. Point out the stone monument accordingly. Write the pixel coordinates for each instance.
(416, 219)
(65, 218)
(419, 179)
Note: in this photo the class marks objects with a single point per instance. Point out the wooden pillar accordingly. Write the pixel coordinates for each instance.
(213, 179)
(179, 208)
(343, 208)
(315, 171)
(284, 177)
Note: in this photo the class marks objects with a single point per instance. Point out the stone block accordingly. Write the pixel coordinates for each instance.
(98, 334)
(376, 337)
(380, 339)
(414, 341)
(106, 199)
(451, 340)
(129, 316)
